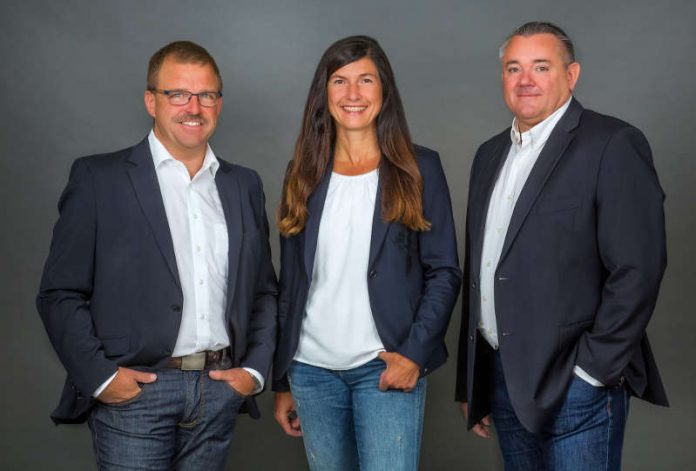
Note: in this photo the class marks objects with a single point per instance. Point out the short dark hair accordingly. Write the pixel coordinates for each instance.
(542, 27)
(185, 52)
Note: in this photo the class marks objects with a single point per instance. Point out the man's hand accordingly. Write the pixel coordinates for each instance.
(483, 428)
(238, 379)
(125, 385)
(401, 373)
(286, 415)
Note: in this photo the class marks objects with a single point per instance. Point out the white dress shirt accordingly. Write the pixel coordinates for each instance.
(338, 330)
(523, 154)
(199, 234)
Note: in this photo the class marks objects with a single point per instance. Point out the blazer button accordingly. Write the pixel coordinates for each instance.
(176, 307)
(473, 284)
(471, 338)
(372, 274)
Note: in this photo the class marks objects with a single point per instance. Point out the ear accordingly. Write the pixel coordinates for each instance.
(573, 75)
(150, 102)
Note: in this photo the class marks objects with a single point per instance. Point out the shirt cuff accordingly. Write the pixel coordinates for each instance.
(582, 374)
(258, 377)
(101, 388)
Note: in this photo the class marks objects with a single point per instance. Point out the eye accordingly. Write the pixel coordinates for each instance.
(512, 69)
(337, 81)
(367, 80)
(176, 94)
(542, 68)
(206, 96)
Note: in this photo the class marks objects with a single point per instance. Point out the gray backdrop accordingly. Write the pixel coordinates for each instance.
(72, 79)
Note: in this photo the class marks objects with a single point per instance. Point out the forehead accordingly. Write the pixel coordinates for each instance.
(356, 68)
(533, 48)
(178, 74)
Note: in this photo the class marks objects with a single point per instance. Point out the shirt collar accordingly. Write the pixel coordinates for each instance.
(160, 154)
(537, 135)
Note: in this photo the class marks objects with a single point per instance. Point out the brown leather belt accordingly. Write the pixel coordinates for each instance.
(200, 360)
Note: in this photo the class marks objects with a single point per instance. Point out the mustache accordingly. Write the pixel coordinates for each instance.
(188, 117)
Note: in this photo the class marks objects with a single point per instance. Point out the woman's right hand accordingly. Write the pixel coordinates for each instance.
(286, 415)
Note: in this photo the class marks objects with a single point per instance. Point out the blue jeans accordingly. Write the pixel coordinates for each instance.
(586, 434)
(349, 424)
(182, 421)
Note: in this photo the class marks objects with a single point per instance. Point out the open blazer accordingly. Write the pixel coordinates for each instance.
(412, 277)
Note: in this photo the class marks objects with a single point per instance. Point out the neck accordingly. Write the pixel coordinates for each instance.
(356, 148)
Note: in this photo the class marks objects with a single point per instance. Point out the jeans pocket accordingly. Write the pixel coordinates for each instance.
(127, 401)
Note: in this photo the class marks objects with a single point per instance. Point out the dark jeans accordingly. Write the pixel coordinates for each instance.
(182, 421)
(586, 435)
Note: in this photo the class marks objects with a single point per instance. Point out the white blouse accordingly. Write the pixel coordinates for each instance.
(338, 330)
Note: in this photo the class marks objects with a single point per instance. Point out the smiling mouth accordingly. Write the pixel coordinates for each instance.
(354, 109)
(191, 123)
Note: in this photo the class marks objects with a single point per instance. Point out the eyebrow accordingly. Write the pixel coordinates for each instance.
(535, 61)
(367, 74)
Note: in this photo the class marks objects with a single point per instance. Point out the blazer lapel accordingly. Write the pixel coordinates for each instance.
(230, 198)
(548, 158)
(379, 227)
(315, 207)
(483, 183)
(144, 180)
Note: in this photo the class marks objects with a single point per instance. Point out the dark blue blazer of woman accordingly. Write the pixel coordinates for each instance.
(413, 277)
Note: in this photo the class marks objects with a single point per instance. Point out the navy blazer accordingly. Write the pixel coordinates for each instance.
(110, 293)
(413, 278)
(579, 271)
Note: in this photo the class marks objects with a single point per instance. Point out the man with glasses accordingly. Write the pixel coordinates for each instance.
(158, 294)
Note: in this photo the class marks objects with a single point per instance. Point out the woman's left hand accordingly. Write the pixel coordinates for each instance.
(401, 373)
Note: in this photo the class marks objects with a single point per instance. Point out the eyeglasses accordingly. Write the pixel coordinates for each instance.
(183, 97)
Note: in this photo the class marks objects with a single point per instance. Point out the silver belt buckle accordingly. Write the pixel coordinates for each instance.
(193, 362)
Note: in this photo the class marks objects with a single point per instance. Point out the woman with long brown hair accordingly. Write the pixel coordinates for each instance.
(369, 270)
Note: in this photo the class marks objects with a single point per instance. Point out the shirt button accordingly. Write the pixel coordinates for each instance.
(200, 282)
(176, 307)
(198, 248)
(195, 216)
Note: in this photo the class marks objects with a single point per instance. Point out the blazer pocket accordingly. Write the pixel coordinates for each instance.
(557, 205)
(570, 333)
(116, 346)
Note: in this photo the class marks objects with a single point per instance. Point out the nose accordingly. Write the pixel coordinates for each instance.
(353, 91)
(193, 106)
(526, 78)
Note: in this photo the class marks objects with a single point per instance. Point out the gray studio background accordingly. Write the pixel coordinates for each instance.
(72, 80)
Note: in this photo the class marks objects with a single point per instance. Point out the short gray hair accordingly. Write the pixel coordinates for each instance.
(542, 27)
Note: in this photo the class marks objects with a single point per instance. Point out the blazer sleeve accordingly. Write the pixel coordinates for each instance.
(261, 333)
(66, 285)
(631, 240)
(438, 257)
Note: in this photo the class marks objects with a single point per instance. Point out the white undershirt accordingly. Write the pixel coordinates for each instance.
(338, 330)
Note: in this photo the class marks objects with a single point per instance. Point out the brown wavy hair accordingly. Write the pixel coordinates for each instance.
(400, 179)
